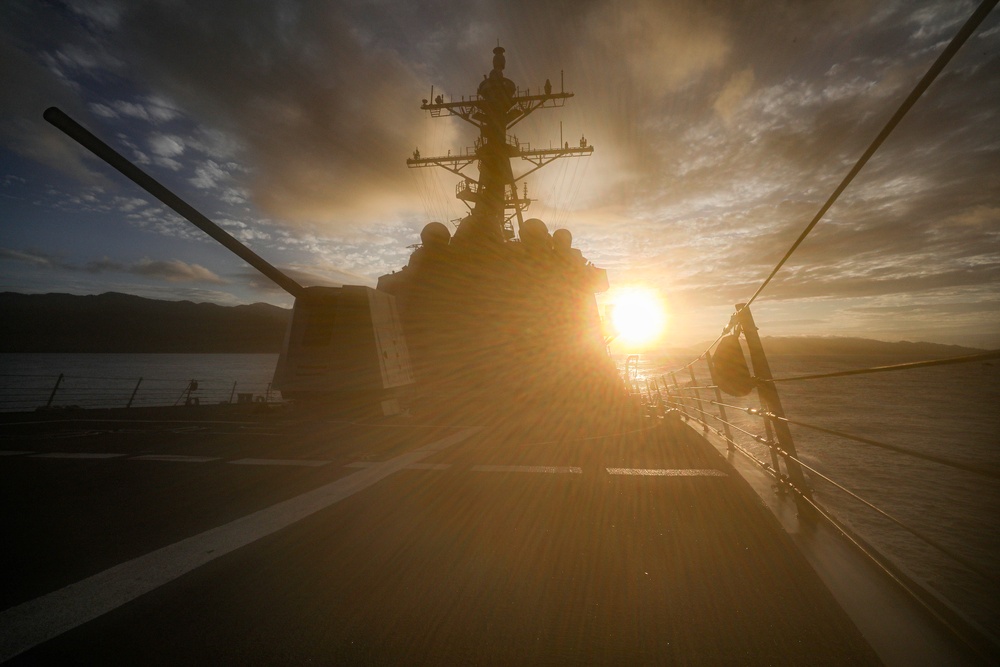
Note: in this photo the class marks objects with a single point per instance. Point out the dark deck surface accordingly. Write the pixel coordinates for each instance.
(327, 542)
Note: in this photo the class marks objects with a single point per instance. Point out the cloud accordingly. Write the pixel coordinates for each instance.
(665, 46)
(720, 128)
(29, 90)
(208, 175)
(166, 145)
(171, 270)
(305, 276)
(319, 113)
(37, 259)
(174, 270)
(733, 94)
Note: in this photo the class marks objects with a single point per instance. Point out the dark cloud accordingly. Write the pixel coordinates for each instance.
(720, 129)
(173, 270)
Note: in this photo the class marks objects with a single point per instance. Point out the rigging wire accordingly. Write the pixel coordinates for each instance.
(993, 354)
(968, 467)
(939, 64)
(763, 414)
(913, 531)
(575, 183)
(958, 558)
(914, 590)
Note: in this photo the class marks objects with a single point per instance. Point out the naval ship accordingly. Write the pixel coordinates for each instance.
(459, 476)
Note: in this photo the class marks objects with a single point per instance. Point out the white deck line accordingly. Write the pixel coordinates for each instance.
(308, 463)
(414, 466)
(29, 624)
(78, 455)
(660, 472)
(179, 458)
(543, 469)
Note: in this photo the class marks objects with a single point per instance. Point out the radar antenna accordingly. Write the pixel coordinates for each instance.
(497, 106)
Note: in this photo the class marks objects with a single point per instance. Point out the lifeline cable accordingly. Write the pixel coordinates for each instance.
(951, 463)
(942, 60)
(993, 354)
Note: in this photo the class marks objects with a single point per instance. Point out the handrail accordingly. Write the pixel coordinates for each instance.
(992, 354)
(934, 543)
(763, 414)
(968, 467)
(690, 404)
(111, 392)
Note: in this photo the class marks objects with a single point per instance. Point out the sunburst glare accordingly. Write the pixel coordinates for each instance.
(638, 317)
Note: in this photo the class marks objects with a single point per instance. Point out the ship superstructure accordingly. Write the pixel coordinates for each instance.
(491, 295)
(496, 108)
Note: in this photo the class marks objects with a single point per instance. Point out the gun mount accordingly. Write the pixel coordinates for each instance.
(486, 316)
(343, 344)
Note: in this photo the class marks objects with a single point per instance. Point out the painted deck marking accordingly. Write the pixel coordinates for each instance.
(13, 453)
(280, 462)
(414, 466)
(659, 472)
(542, 469)
(78, 455)
(179, 458)
(31, 623)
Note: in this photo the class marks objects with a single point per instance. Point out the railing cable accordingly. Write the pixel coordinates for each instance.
(755, 412)
(992, 354)
(720, 419)
(968, 467)
(990, 472)
(913, 531)
(916, 592)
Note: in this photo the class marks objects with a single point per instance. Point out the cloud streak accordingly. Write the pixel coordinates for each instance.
(173, 271)
(719, 130)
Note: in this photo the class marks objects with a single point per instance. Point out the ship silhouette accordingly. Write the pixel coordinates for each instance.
(532, 507)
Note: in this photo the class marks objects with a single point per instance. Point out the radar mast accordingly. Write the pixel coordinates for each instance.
(497, 106)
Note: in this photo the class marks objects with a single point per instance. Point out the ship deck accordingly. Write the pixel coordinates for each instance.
(245, 538)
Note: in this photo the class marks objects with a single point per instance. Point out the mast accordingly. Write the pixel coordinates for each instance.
(497, 106)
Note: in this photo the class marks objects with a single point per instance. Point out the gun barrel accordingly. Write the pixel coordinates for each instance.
(82, 136)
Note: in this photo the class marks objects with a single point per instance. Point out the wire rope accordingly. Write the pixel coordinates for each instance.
(968, 467)
(939, 64)
(993, 354)
(913, 531)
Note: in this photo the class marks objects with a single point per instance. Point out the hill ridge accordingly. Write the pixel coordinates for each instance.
(116, 322)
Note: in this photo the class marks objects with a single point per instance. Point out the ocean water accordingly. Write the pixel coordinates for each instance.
(948, 411)
(945, 411)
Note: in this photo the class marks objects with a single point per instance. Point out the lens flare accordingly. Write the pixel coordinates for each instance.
(638, 317)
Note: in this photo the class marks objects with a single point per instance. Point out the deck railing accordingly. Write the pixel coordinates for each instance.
(22, 393)
(756, 427)
(766, 439)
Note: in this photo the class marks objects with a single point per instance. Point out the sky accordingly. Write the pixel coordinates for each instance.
(719, 129)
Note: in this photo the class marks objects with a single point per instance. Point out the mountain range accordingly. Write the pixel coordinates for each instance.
(114, 322)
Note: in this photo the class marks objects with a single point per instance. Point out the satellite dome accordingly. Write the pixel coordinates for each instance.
(562, 238)
(435, 234)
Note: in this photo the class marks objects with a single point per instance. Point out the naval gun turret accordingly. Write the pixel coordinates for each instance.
(344, 346)
(487, 313)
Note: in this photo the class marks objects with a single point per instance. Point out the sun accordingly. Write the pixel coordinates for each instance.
(637, 316)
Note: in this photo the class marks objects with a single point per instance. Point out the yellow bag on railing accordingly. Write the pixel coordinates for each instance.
(729, 368)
